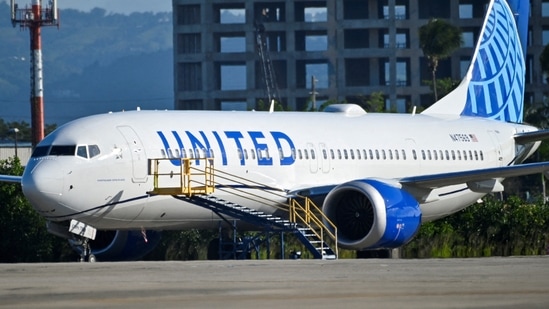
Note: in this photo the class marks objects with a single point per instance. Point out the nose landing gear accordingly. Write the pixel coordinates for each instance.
(84, 233)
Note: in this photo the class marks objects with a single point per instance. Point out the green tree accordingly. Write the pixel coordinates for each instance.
(438, 39)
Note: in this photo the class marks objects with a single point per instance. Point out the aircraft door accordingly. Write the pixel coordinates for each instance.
(412, 155)
(497, 147)
(324, 158)
(313, 158)
(137, 152)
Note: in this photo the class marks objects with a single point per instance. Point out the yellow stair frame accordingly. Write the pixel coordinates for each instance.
(196, 177)
(312, 217)
(192, 180)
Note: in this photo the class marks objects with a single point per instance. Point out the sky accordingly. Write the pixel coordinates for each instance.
(112, 6)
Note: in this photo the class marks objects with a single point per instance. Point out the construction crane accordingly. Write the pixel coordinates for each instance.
(34, 18)
(267, 69)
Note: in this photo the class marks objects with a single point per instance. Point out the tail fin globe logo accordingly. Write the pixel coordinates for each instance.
(496, 88)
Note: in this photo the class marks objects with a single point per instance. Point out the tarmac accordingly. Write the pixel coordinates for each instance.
(510, 282)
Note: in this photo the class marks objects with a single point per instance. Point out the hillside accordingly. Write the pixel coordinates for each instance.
(95, 62)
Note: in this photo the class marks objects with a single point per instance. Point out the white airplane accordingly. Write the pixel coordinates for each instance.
(378, 176)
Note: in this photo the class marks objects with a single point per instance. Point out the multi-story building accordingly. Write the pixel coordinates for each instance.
(346, 49)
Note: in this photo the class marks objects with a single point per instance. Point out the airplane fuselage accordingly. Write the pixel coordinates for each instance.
(97, 168)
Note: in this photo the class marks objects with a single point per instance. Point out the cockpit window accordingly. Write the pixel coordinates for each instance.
(40, 151)
(82, 151)
(94, 150)
(66, 150)
(86, 152)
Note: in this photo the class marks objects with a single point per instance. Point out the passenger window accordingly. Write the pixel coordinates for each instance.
(246, 154)
(403, 154)
(481, 156)
(339, 154)
(183, 153)
(299, 154)
(364, 154)
(163, 153)
(324, 154)
(82, 152)
(396, 154)
(414, 155)
(332, 154)
(306, 154)
(252, 151)
(358, 154)
(345, 155)
(423, 154)
(293, 154)
(313, 155)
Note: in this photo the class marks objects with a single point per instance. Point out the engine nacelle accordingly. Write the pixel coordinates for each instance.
(371, 214)
(121, 245)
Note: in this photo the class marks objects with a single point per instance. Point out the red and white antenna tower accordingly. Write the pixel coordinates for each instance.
(34, 18)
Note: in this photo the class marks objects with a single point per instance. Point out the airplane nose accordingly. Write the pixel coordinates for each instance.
(42, 185)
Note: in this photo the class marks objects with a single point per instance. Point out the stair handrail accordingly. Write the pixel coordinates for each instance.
(309, 216)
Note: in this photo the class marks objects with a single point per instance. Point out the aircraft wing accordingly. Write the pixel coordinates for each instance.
(10, 178)
(445, 179)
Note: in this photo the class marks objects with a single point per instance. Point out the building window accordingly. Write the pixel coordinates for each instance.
(356, 72)
(189, 104)
(400, 12)
(401, 72)
(545, 36)
(269, 12)
(320, 72)
(232, 44)
(465, 11)
(468, 39)
(189, 43)
(464, 66)
(356, 38)
(232, 76)
(311, 40)
(188, 14)
(189, 76)
(545, 9)
(316, 42)
(355, 9)
(232, 16)
(311, 11)
(402, 38)
(234, 105)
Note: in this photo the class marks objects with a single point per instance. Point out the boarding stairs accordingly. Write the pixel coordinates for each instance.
(195, 183)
